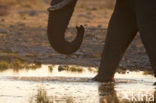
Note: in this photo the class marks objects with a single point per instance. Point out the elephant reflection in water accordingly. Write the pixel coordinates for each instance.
(129, 17)
(107, 94)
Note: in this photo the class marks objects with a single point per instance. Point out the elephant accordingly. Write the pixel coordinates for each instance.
(128, 18)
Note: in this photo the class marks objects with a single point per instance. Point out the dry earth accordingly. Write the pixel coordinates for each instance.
(23, 26)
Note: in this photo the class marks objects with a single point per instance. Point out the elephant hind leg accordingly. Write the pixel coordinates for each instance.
(121, 31)
(146, 20)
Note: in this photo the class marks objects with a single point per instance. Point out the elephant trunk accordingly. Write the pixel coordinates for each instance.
(59, 17)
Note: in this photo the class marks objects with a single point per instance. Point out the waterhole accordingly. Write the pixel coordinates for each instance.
(72, 84)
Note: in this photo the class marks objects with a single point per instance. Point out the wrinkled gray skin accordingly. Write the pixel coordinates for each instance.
(129, 17)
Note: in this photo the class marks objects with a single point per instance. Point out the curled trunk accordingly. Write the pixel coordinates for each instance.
(59, 18)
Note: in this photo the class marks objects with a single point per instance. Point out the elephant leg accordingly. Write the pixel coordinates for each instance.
(121, 31)
(146, 20)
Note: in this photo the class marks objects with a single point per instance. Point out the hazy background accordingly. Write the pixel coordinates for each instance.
(23, 25)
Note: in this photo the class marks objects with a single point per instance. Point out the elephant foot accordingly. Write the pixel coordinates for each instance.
(101, 78)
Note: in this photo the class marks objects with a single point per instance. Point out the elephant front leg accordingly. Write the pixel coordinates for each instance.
(121, 31)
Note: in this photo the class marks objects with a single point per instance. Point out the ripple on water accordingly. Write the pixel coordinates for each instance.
(77, 87)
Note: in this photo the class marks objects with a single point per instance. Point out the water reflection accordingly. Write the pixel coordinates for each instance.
(41, 97)
(107, 94)
(76, 87)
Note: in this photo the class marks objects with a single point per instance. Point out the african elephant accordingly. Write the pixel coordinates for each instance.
(128, 18)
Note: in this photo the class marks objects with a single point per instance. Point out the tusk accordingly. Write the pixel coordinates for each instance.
(59, 5)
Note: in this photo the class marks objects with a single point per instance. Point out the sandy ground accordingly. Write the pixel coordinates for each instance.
(23, 31)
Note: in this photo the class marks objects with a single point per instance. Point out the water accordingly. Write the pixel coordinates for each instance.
(62, 87)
